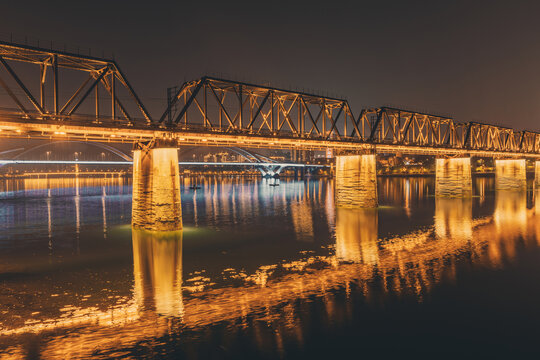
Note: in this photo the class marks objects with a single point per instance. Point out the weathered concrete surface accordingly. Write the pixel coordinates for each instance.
(537, 175)
(453, 177)
(510, 174)
(156, 201)
(356, 181)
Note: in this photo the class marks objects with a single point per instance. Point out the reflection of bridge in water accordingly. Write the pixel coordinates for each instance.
(217, 112)
(409, 264)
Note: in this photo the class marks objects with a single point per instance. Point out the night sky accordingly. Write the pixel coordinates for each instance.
(474, 61)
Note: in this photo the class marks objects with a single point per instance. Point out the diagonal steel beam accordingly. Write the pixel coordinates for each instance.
(259, 110)
(334, 123)
(110, 90)
(376, 125)
(286, 114)
(12, 95)
(467, 134)
(75, 94)
(94, 84)
(231, 124)
(239, 113)
(356, 122)
(134, 95)
(21, 85)
(189, 101)
(314, 122)
(174, 100)
(203, 112)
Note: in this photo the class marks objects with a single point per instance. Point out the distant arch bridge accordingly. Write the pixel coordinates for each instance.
(267, 166)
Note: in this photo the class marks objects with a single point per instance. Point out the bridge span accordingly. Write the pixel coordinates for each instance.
(220, 112)
(217, 112)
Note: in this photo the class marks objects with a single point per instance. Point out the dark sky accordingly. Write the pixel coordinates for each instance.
(472, 60)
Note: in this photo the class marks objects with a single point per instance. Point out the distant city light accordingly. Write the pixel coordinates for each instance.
(197, 163)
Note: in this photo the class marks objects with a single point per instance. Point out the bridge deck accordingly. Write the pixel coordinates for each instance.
(12, 126)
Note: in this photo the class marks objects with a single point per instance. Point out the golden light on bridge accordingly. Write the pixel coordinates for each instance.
(357, 235)
(453, 219)
(156, 190)
(453, 177)
(356, 181)
(157, 270)
(510, 174)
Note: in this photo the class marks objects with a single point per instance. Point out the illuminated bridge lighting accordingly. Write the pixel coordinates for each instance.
(195, 163)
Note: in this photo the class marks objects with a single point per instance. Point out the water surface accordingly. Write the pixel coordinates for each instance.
(265, 271)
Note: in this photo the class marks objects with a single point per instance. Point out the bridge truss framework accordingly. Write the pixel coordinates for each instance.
(212, 111)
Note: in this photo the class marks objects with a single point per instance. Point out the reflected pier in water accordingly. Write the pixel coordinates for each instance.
(157, 271)
(357, 235)
(156, 189)
(359, 256)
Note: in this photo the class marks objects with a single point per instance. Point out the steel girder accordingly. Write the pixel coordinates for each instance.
(404, 127)
(232, 107)
(100, 72)
(225, 106)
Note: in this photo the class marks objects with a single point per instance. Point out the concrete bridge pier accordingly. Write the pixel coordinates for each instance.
(356, 181)
(510, 174)
(537, 175)
(453, 177)
(156, 188)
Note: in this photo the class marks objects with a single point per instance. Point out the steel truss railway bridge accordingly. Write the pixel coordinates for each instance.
(87, 98)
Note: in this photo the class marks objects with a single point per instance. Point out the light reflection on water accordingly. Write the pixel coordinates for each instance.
(253, 258)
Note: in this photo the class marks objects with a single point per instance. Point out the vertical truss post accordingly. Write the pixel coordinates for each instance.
(251, 104)
(278, 116)
(206, 107)
(221, 111)
(43, 71)
(303, 113)
(324, 118)
(345, 125)
(113, 96)
(398, 136)
(467, 136)
(241, 106)
(272, 111)
(97, 102)
(185, 102)
(55, 83)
